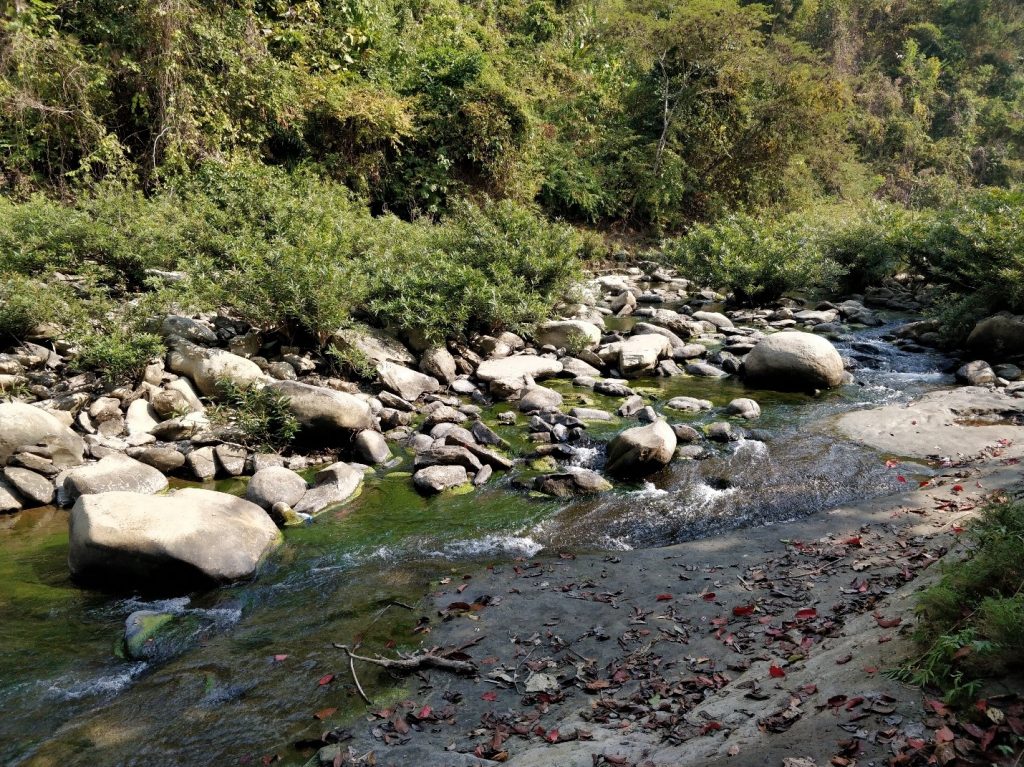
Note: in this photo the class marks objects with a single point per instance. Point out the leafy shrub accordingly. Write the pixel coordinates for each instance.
(261, 413)
(26, 303)
(870, 243)
(119, 353)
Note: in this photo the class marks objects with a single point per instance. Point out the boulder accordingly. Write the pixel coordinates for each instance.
(164, 459)
(686, 433)
(723, 431)
(206, 367)
(639, 354)
(744, 407)
(447, 455)
(376, 345)
(641, 450)
(439, 363)
(24, 425)
(275, 484)
(34, 489)
(325, 415)
(407, 383)
(115, 472)
(175, 327)
(539, 398)
(590, 414)
(518, 367)
(173, 542)
(705, 370)
(141, 418)
(370, 447)
(575, 367)
(488, 458)
(715, 318)
(10, 498)
(568, 334)
(230, 459)
(572, 482)
(977, 373)
(793, 360)
(689, 404)
(332, 486)
(1001, 335)
(436, 479)
(202, 463)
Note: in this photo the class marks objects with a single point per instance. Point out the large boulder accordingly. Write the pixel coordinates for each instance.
(407, 383)
(437, 479)
(332, 486)
(518, 367)
(539, 398)
(641, 450)
(170, 543)
(573, 481)
(175, 327)
(572, 334)
(375, 345)
(115, 472)
(207, 367)
(1001, 335)
(275, 484)
(439, 363)
(24, 425)
(794, 360)
(640, 353)
(325, 415)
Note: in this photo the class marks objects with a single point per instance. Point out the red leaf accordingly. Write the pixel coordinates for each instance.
(709, 727)
(490, 697)
(324, 713)
(887, 623)
(957, 529)
(937, 706)
(806, 614)
(708, 597)
(891, 464)
(552, 736)
(280, 658)
(325, 679)
(900, 478)
(854, 541)
(923, 483)
(944, 735)
(424, 712)
(775, 672)
(958, 488)
(743, 610)
(663, 598)
(871, 670)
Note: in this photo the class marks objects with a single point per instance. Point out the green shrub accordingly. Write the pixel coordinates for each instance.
(870, 243)
(119, 353)
(25, 304)
(261, 414)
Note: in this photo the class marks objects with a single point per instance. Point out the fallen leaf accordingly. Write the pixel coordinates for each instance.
(806, 614)
(708, 597)
(490, 697)
(900, 478)
(775, 672)
(280, 658)
(887, 623)
(325, 679)
(743, 610)
(663, 598)
(324, 713)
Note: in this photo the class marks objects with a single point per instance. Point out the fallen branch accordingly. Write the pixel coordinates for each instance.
(415, 662)
(355, 678)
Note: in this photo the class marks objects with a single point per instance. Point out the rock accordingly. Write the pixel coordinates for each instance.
(373, 344)
(24, 425)
(518, 367)
(639, 354)
(436, 479)
(439, 363)
(486, 457)
(36, 463)
(485, 435)
(104, 408)
(715, 318)
(705, 370)
(325, 415)
(539, 398)
(977, 373)
(723, 431)
(443, 414)
(744, 407)
(230, 459)
(685, 433)
(633, 405)
(406, 383)
(689, 352)
(171, 542)
(275, 484)
(10, 499)
(689, 404)
(141, 417)
(34, 489)
(813, 317)
(793, 360)
(1009, 372)
(370, 447)
(446, 455)
(590, 414)
(281, 371)
(1001, 335)
(202, 464)
(332, 486)
(167, 403)
(185, 388)
(163, 459)
(114, 473)
(571, 482)
(176, 327)
(181, 428)
(482, 476)
(641, 450)
(575, 368)
(140, 633)
(568, 334)
(645, 328)
(206, 367)
(613, 388)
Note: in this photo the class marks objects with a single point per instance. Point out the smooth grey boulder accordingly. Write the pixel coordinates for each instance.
(686, 433)
(723, 431)
(10, 499)
(164, 459)
(744, 407)
(141, 418)
(24, 425)
(439, 363)
(591, 414)
(34, 489)
(568, 334)
(575, 367)
(171, 543)
(115, 472)
(539, 398)
(446, 455)
(371, 447)
(275, 484)
(332, 486)
(793, 360)
(705, 370)
(207, 367)
(376, 345)
(518, 367)
(230, 459)
(175, 326)
(641, 450)
(407, 383)
(977, 373)
(436, 479)
(689, 404)
(325, 415)
(571, 482)
(202, 463)
(640, 353)
(715, 318)
(1001, 335)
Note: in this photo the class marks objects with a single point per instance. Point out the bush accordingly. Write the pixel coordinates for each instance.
(119, 353)
(261, 414)
(25, 304)
(871, 243)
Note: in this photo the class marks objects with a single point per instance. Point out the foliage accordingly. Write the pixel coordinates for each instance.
(261, 414)
(27, 303)
(971, 621)
(120, 353)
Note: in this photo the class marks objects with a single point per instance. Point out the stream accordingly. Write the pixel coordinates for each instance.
(229, 697)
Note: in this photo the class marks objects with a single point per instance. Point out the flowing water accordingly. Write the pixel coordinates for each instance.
(228, 697)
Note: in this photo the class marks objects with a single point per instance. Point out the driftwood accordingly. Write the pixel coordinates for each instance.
(431, 659)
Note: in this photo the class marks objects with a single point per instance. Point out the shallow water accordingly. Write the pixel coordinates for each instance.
(69, 699)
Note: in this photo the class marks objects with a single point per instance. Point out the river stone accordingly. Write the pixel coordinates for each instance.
(633, 405)
(275, 484)
(183, 427)
(575, 367)
(231, 459)
(104, 408)
(370, 447)
(332, 486)
(977, 373)
(689, 404)
(485, 435)
(202, 463)
(34, 489)
(167, 403)
(715, 318)
(206, 367)
(164, 459)
(573, 481)
(141, 417)
(686, 433)
(590, 414)
(1009, 372)
(436, 479)
(539, 398)
(518, 367)
(187, 329)
(689, 352)
(115, 472)
(406, 383)
(373, 344)
(640, 353)
(184, 387)
(641, 450)
(705, 370)
(24, 425)
(646, 328)
(10, 499)
(140, 631)
(486, 457)
(446, 455)
(1001, 335)
(793, 360)
(325, 415)
(572, 334)
(723, 431)
(744, 407)
(439, 363)
(171, 542)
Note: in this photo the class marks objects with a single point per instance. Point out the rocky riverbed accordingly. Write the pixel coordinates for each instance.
(644, 415)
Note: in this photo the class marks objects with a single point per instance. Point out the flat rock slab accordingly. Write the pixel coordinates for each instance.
(115, 472)
(518, 367)
(965, 421)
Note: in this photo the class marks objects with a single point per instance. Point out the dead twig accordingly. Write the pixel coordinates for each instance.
(415, 662)
(355, 678)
